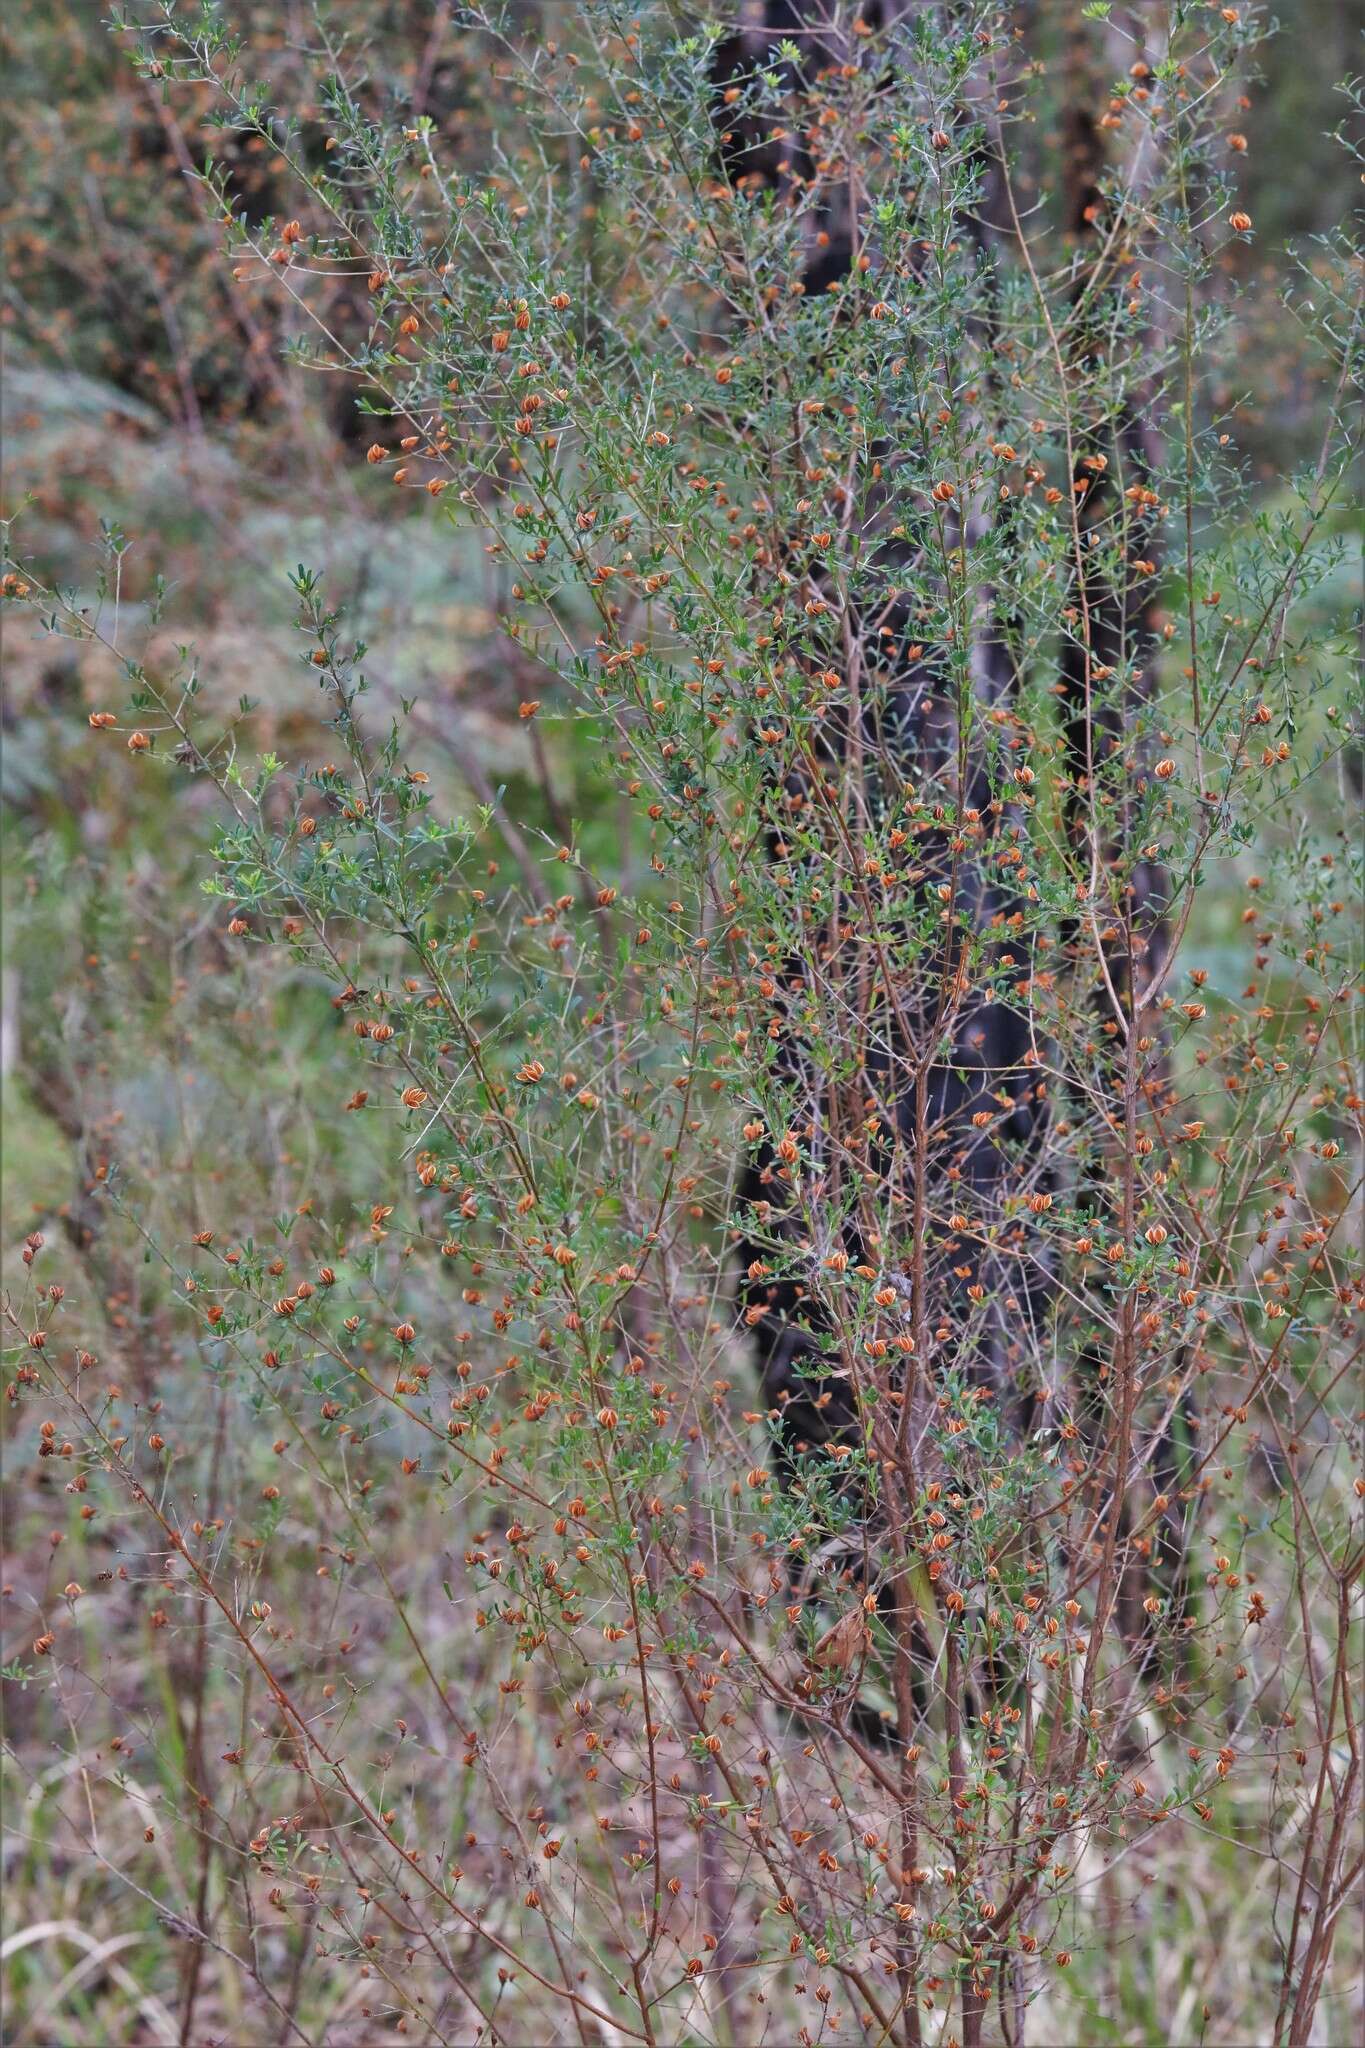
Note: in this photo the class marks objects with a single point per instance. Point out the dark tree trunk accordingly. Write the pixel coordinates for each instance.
(915, 735)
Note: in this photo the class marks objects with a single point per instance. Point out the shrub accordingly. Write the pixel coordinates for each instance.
(965, 1027)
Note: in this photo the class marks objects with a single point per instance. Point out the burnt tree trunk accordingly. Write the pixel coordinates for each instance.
(1123, 628)
(916, 732)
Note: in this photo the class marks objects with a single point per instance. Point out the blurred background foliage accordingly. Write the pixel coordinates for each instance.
(144, 387)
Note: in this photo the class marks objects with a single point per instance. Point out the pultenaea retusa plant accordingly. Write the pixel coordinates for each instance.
(969, 1032)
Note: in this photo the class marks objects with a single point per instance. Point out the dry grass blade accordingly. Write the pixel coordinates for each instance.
(99, 1955)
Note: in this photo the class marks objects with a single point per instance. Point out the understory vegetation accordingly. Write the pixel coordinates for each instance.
(682, 1029)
